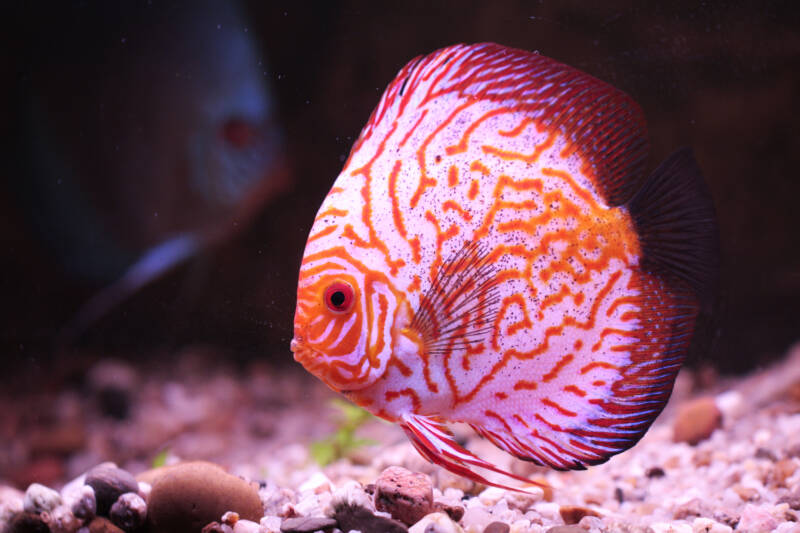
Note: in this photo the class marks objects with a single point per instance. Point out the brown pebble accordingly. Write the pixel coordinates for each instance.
(546, 488)
(655, 471)
(406, 495)
(307, 524)
(696, 420)
(572, 514)
(702, 458)
(497, 527)
(187, 496)
(747, 494)
(691, 509)
(103, 525)
(355, 517)
(781, 470)
(455, 512)
(26, 522)
(109, 483)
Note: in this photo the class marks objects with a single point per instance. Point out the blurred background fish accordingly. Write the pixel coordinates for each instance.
(148, 135)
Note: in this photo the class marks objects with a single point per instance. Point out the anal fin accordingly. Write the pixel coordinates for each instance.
(435, 442)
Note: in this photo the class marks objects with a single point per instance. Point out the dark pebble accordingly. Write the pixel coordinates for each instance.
(27, 523)
(307, 524)
(354, 517)
(497, 527)
(128, 512)
(655, 471)
(455, 512)
(764, 453)
(109, 483)
(792, 498)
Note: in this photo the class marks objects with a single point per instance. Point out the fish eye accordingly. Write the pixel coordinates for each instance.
(339, 297)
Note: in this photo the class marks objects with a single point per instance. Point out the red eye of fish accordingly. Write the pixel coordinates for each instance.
(339, 297)
(238, 132)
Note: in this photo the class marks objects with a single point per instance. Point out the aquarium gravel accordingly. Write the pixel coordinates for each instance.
(231, 450)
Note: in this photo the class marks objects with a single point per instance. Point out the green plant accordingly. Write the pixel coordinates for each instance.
(343, 441)
(160, 459)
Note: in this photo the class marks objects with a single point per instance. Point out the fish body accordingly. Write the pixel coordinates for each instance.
(493, 253)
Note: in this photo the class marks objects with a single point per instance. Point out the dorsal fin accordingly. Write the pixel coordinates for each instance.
(674, 217)
(603, 124)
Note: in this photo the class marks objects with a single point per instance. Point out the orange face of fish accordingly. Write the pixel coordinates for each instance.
(492, 253)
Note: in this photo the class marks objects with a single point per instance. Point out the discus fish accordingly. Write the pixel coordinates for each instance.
(493, 254)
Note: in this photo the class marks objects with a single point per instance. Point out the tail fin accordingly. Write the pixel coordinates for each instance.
(674, 216)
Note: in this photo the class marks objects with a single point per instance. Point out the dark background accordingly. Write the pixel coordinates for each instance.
(722, 77)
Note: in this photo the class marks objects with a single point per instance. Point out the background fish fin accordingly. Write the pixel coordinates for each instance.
(436, 444)
(674, 217)
(154, 263)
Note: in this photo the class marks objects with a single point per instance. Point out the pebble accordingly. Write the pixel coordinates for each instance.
(476, 519)
(193, 494)
(436, 523)
(524, 500)
(455, 512)
(707, 525)
(497, 527)
(39, 499)
(358, 518)
(27, 522)
(755, 519)
(101, 524)
(792, 498)
(696, 420)
(129, 511)
(307, 524)
(572, 514)
(84, 505)
(109, 483)
(216, 527)
(270, 524)
(61, 520)
(246, 526)
(352, 493)
(406, 495)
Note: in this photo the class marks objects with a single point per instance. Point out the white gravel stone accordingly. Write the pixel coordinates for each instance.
(270, 524)
(436, 523)
(246, 526)
(40, 499)
(352, 493)
(707, 525)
